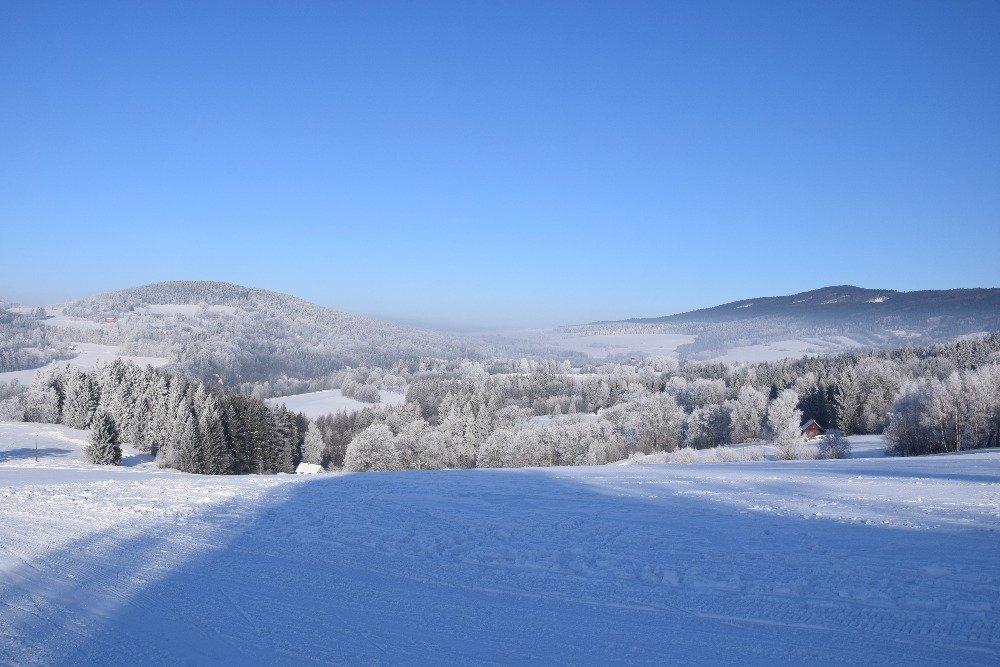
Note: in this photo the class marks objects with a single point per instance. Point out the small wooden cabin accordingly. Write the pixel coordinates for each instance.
(811, 429)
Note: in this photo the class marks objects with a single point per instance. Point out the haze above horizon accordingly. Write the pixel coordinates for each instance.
(500, 165)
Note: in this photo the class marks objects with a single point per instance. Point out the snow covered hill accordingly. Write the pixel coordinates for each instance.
(877, 560)
(212, 330)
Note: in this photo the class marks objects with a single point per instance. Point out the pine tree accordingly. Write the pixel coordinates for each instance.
(189, 448)
(847, 402)
(80, 399)
(215, 452)
(104, 447)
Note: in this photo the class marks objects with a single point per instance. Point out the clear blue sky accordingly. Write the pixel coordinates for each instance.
(500, 163)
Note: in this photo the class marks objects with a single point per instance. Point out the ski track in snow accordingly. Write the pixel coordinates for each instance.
(873, 561)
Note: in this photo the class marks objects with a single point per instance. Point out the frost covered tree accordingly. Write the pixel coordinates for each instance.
(847, 402)
(708, 426)
(80, 399)
(960, 412)
(647, 422)
(216, 458)
(784, 419)
(372, 450)
(748, 414)
(104, 447)
(312, 446)
(878, 385)
(41, 404)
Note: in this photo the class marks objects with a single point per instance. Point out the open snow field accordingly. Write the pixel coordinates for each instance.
(318, 403)
(88, 356)
(794, 348)
(871, 560)
(602, 346)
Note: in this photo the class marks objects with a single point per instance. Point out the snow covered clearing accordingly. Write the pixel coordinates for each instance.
(879, 560)
(88, 356)
(602, 346)
(318, 403)
(793, 348)
(57, 318)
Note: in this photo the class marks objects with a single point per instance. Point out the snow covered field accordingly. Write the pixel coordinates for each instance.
(319, 403)
(794, 348)
(602, 346)
(88, 356)
(871, 560)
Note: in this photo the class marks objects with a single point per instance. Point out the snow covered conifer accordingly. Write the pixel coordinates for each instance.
(80, 399)
(217, 458)
(104, 447)
(847, 401)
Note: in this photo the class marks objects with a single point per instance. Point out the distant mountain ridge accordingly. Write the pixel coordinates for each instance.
(829, 319)
(848, 301)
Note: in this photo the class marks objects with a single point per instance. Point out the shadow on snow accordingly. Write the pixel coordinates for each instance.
(526, 566)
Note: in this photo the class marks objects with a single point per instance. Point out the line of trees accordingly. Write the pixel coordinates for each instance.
(481, 414)
(959, 412)
(186, 424)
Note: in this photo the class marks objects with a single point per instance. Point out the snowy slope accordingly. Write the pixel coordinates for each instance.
(875, 560)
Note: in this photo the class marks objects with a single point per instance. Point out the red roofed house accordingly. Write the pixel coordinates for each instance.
(811, 429)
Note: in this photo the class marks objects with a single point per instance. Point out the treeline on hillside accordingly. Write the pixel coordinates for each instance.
(245, 336)
(187, 425)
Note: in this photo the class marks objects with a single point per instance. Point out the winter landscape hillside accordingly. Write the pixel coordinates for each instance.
(709, 526)
(499, 333)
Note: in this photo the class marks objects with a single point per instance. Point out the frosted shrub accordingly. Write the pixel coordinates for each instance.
(834, 446)
(372, 449)
(798, 451)
(741, 454)
(685, 455)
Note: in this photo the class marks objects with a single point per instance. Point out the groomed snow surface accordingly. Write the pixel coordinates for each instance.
(872, 560)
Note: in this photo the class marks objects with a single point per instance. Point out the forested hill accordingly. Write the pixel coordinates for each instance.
(213, 330)
(846, 302)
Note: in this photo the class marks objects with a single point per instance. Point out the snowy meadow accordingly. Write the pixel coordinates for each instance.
(882, 560)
